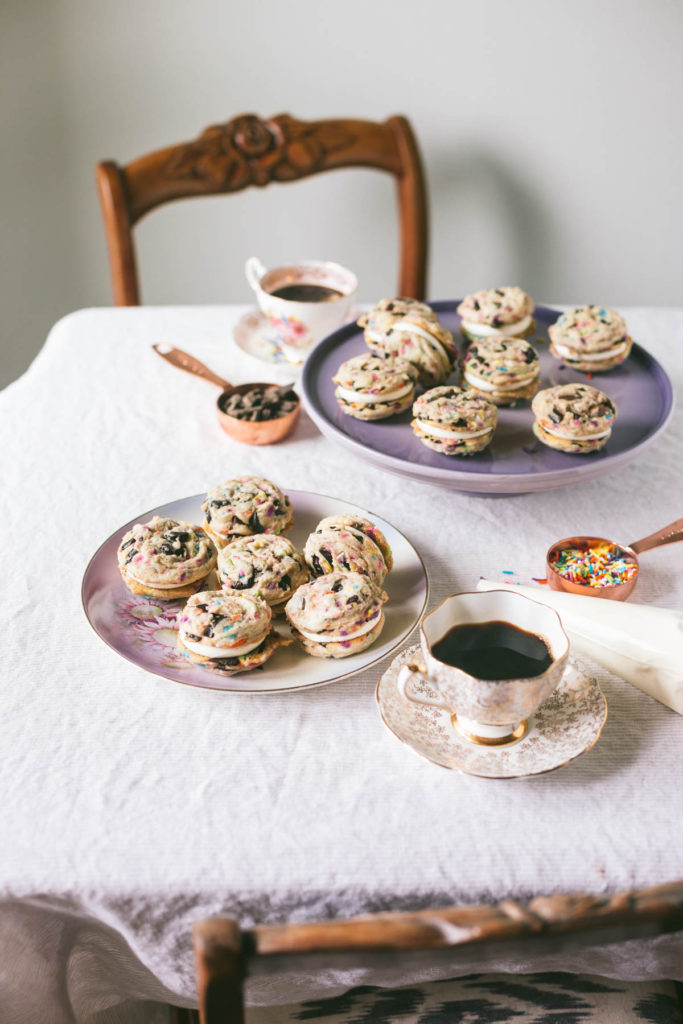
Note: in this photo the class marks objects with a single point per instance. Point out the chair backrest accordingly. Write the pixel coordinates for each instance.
(251, 151)
(225, 955)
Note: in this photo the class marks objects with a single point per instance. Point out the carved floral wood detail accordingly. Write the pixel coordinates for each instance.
(251, 151)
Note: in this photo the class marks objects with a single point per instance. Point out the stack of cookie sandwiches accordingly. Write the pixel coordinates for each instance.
(411, 330)
(340, 612)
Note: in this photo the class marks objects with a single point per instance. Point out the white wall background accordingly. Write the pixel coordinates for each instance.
(551, 133)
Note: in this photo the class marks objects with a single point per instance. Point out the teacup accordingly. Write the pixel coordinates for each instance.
(489, 711)
(304, 301)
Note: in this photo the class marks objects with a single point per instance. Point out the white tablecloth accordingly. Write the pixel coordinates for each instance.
(132, 806)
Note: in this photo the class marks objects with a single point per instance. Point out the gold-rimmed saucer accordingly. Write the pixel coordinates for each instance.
(566, 725)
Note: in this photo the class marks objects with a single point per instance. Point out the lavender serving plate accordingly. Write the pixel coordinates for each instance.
(143, 630)
(515, 462)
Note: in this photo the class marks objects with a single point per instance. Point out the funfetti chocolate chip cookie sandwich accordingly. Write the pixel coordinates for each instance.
(165, 559)
(374, 387)
(337, 614)
(411, 330)
(502, 369)
(382, 317)
(348, 544)
(574, 418)
(227, 633)
(505, 311)
(362, 528)
(454, 421)
(592, 339)
(244, 506)
(265, 565)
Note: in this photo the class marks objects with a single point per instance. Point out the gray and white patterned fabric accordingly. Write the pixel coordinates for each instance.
(491, 999)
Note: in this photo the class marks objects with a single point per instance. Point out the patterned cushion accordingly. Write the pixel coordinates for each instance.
(491, 999)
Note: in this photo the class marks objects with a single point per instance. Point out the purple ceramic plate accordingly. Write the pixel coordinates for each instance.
(144, 629)
(515, 462)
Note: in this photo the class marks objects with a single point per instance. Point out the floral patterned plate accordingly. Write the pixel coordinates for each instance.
(143, 630)
(567, 724)
(255, 336)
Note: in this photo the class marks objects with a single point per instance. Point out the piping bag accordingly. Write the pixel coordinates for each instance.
(639, 642)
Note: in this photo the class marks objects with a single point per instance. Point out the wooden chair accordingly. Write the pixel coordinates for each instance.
(251, 151)
(225, 955)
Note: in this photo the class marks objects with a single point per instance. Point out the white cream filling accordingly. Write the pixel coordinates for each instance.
(408, 328)
(363, 399)
(486, 385)
(590, 357)
(160, 586)
(485, 331)
(584, 437)
(212, 651)
(325, 638)
(451, 435)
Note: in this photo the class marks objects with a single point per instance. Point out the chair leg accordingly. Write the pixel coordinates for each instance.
(179, 1015)
(221, 969)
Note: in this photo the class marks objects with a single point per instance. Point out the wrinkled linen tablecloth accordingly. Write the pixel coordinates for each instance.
(133, 806)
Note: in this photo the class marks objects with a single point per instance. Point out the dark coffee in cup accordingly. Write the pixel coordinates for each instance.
(303, 292)
(494, 650)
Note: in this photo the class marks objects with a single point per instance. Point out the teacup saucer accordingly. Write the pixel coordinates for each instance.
(255, 336)
(567, 724)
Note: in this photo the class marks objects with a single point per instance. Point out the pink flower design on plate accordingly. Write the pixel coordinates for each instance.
(155, 626)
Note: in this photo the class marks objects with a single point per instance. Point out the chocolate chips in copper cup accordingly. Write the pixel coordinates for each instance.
(259, 403)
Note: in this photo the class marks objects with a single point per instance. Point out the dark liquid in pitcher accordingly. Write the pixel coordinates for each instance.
(494, 650)
(307, 293)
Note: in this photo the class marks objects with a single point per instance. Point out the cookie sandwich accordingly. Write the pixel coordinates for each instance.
(574, 418)
(454, 421)
(503, 370)
(372, 387)
(266, 565)
(348, 544)
(227, 633)
(362, 528)
(591, 338)
(244, 506)
(411, 330)
(165, 559)
(337, 615)
(504, 311)
(381, 318)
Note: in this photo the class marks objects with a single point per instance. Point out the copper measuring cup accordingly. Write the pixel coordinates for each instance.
(247, 431)
(667, 535)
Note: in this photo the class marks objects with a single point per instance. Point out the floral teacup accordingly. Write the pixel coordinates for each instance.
(320, 298)
(486, 711)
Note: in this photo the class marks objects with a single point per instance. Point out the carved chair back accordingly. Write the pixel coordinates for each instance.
(251, 151)
(225, 956)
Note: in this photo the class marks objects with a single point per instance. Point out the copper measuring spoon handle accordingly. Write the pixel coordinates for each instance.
(667, 535)
(184, 361)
